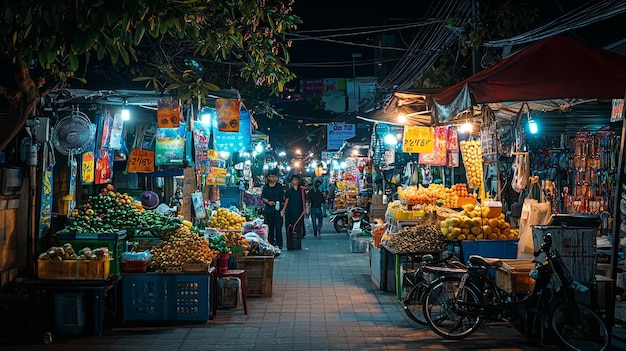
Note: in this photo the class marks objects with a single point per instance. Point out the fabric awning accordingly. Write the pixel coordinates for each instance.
(554, 68)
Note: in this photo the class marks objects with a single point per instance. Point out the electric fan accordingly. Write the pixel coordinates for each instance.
(72, 135)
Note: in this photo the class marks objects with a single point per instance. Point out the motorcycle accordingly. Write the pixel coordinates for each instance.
(345, 219)
(454, 307)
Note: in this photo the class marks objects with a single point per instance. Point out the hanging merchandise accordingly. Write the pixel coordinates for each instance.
(521, 171)
(453, 159)
(234, 142)
(116, 138)
(198, 205)
(471, 151)
(228, 114)
(453, 139)
(105, 121)
(168, 113)
(170, 146)
(489, 136)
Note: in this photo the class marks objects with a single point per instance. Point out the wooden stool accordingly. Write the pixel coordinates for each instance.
(239, 274)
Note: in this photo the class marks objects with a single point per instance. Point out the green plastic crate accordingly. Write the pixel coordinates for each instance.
(115, 242)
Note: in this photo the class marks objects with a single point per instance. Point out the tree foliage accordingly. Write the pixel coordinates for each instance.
(61, 35)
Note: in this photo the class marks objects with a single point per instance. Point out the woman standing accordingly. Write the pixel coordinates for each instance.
(293, 211)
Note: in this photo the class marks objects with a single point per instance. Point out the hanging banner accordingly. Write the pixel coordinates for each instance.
(418, 139)
(453, 139)
(168, 113)
(228, 114)
(215, 160)
(216, 176)
(140, 161)
(234, 142)
(45, 217)
(117, 128)
(198, 205)
(104, 165)
(201, 134)
(107, 124)
(170, 146)
(87, 164)
(336, 134)
(439, 156)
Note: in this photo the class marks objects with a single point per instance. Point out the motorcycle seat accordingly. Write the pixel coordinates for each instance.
(339, 212)
(477, 260)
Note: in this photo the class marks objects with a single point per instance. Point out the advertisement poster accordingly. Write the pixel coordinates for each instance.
(170, 146)
(234, 142)
(216, 176)
(453, 139)
(439, 156)
(198, 205)
(201, 135)
(215, 160)
(104, 173)
(117, 128)
(337, 134)
(228, 114)
(107, 124)
(168, 113)
(140, 161)
(617, 113)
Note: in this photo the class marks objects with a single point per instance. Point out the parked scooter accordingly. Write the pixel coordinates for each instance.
(344, 219)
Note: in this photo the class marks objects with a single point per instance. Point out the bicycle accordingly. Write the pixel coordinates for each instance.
(454, 309)
(418, 280)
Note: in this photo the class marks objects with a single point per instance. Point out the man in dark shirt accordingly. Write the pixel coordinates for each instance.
(294, 213)
(316, 198)
(273, 195)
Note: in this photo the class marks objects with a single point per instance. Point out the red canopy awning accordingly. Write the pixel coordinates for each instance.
(554, 68)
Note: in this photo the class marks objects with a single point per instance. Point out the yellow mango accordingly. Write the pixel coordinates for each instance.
(502, 237)
(475, 230)
(486, 230)
(492, 236)
(501, 216)
(496, 230)
(462, 237)
(444, 230)
(480, 237)
(493, 222)
(456, 231)
(465, 231)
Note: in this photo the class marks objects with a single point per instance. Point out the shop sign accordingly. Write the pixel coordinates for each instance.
(228, 114)
(141, 161)
(168, 113)
(617, 113)
(418, 139)
(337, 134)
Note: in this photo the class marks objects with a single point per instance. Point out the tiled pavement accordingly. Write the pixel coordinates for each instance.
(323, 299)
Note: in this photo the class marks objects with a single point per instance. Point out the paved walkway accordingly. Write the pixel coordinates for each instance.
(323, 299)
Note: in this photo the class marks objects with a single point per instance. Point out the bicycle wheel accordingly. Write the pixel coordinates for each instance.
(585, 332)
(413, 303)
(443, 313)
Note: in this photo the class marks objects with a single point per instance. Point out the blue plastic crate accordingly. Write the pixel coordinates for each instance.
(144, 297)
(190, 294)
(69, 314)
(489, 248)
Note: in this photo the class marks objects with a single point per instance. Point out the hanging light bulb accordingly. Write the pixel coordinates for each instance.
(390, 139)
(466, 127)
(205, 118)
(401, 118)
(125, 112)
(533, 128)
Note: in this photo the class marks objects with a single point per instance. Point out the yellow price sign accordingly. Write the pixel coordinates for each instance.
(141, 161)
(87, 173)
(418, 139)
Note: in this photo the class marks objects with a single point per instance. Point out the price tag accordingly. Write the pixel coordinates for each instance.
(418, 139)
(141, 161)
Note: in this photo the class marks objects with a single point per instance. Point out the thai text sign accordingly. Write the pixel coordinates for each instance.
(337, 133)
(418, 139)
(141, 161)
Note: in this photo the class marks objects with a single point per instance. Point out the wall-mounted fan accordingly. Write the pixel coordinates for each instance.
(71, 136)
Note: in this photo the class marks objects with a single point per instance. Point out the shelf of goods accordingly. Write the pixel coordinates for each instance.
(167, 297)
(259, 273)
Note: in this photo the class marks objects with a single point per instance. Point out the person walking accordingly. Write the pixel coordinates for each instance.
(294, 212)
(273, 195)
(316, 198)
